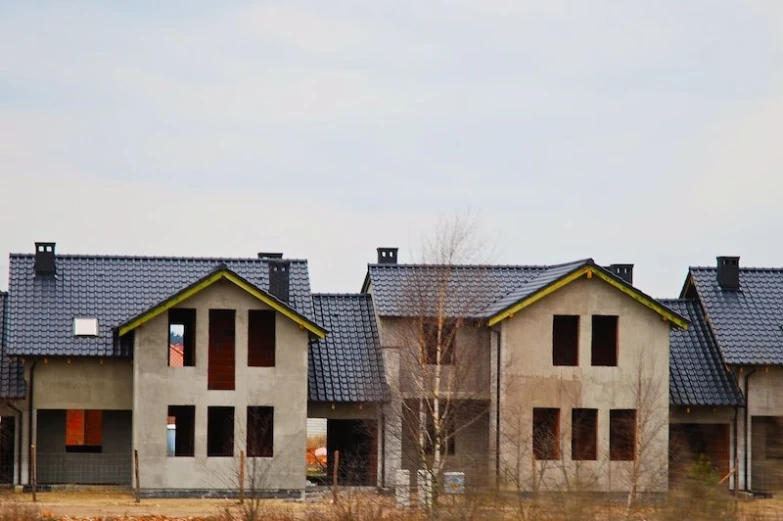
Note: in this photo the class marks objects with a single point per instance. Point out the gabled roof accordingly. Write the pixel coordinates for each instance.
(347, 365)
(748, 323)
(114, 289)
(492, 293)
(698, 374)
(221, 273)
(11, 371)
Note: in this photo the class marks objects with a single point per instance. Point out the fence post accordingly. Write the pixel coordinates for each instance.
(241, 477)
(136, 470)
(334, 475)
(33, 473)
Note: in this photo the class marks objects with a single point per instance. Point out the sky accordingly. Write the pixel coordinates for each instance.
(630, 132)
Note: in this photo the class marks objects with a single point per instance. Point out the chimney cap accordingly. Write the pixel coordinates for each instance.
(45, 258)
(623, 271)
(387, 255)
(728, 272)
(269, 255)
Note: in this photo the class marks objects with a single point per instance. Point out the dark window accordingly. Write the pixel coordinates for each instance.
(546, 433)
(447, 434)
(431, 340)
(182, 337)
(604, 346)
(584, 429)
(181, 430)
(261, 338)
(220, 431)
(622, 434)
(222, 364)
(565, 340)
(83, 430)
(260, 432)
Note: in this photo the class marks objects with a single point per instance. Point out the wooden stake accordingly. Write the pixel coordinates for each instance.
(34, 476)
(136, 467)
(241, 477)
(334, 475)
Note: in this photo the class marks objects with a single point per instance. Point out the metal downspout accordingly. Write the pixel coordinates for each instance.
(747, 421)
(30, 422)
(497, 411)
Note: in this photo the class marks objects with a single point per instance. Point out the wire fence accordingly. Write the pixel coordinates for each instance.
(84, 469)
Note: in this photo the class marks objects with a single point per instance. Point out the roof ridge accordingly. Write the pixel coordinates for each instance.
(476, 266)
(742, 268)
(151, 257)
(355, 295)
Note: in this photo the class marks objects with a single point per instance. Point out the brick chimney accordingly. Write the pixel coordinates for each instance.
(623, 271)
(387, 255)
(279, 278)
(728, 273)
(45, 259)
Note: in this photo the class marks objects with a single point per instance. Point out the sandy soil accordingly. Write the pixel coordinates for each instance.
(98, 503)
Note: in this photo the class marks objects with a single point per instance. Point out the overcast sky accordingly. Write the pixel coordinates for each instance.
(643, 132)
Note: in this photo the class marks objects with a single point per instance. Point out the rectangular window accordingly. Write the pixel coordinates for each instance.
(432, 344)
(83, 430)
(260, 432)
(604, 346)
(220, 431)
(181, 430)
(447, 435)
(221, 367)
(261, 338)
(622, 434)
(182, 337)
(546, 433)
(584, 434)
(565, 340)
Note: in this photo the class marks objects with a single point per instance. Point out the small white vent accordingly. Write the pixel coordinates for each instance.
(85, 327)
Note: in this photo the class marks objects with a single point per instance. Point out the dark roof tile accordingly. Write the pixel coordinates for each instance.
(698, 374)
(347, 365)
(748, 323)
(113, 289)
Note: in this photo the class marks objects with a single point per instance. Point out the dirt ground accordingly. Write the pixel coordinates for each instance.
(100, 503)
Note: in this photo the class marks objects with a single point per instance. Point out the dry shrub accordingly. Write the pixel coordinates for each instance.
(363, 507)
(255, 510)
(699, 497)
(14, 511)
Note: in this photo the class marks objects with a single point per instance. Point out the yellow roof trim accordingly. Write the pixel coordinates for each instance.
(535, 297)
(590, 272)
(650, 303)
(205, 283)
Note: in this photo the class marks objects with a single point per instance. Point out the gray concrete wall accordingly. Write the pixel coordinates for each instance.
(111, 466)
(530, 380)
(84, 383)
(468, 377)
(283, 387)
(74, 383)
(765, 398)
(471, 453)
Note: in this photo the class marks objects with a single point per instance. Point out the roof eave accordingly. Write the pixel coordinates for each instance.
(589, 268)
(209, 280)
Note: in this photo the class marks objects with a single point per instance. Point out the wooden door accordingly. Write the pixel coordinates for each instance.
(222, 360)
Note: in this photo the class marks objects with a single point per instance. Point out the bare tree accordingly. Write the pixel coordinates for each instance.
(444, 352)
(650, 464)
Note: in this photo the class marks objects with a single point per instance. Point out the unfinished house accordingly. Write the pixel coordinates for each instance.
(190, 361)
(744, 310)
(704, 396)
(347, 386)
(556, 374)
